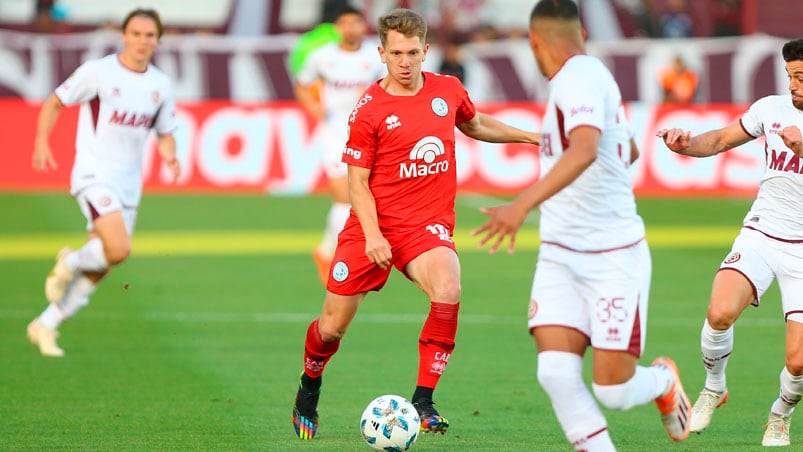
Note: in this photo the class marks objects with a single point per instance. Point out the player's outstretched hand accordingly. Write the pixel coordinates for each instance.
(677, 140)
(42, 159)
(378, 251)
(792, 139)
(505, 221)
(175, 168)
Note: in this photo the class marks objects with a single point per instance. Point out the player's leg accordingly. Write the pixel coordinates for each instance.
(791, 377)
(558, 321)
(77, 273)
(437, 273)
(322, 341)
(742, 279)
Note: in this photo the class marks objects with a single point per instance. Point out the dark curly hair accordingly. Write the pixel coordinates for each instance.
(793, 50)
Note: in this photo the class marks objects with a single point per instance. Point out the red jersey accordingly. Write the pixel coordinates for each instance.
(408, 144)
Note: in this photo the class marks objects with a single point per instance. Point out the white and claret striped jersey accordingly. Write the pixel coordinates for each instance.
(119, 107)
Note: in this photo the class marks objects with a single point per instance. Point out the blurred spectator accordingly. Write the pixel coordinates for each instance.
(676, 21)
(49, 17)
(330, 9)
(727, 16)
(642, 17)
(452, 63)
(679, 83)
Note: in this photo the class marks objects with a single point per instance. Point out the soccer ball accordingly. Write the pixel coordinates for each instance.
(390, 422)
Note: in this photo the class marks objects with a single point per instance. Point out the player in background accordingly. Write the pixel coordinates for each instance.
(402, 182)
(122, 98)
(769, 246)
(343, 69)
(592, 278)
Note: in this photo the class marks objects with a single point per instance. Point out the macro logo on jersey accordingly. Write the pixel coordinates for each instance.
(778, 162)
(340, 271)
(440, 107)
(423, 157)
(131, 119)
(360, 103)
(392, 121)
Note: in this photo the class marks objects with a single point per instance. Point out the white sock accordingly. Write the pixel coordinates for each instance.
(716, 346)
(88, 258)
(646, 385)
(335, 220)
(75, 298)
(560, 374)
(791, 392)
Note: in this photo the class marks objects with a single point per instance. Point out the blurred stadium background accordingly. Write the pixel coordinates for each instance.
(196, 342)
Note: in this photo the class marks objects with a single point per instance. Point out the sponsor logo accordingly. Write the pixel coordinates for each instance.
(115, 91)
(360, 103)
(613, 335)
(438, 366)
(392, 121)
(439, 106)
(340, 271)
(733, 258)
(775, 127)
(352, 152)
(581, 109)
(105, 201)
(427, 150)
(125, 118)
(312, 365)
(777, 161)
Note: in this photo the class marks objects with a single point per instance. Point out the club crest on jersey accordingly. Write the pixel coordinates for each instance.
(340, 271)
(439, 107)
(155, 97)
(733, 258)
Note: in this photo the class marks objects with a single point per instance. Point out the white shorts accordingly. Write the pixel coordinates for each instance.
(98, 200)
(602, 295)
(761, 259)
(332, 140)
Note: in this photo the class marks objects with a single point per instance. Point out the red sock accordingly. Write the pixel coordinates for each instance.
(436, 342)
(316, 351)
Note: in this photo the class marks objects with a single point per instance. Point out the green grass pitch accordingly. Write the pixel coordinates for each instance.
(196, 342)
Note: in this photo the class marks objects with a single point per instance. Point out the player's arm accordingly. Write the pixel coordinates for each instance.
(706, 144)
(506, 220)
(305, 95)
(487, 128)
(42, 156)
(634, 152)
(166, 144)
(377, 248)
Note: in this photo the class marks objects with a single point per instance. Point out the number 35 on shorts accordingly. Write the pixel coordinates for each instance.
(441, 231)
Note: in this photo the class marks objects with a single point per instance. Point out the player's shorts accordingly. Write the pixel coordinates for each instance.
(760, 259)
(98, 200)
(353, 273)
(332, 140)
(602, 295)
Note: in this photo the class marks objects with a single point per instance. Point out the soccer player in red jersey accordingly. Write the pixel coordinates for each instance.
(402, 186)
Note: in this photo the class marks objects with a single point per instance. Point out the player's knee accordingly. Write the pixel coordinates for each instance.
(554, 379)
(794, 360)
(721, 318)
(117, 252)
(614, 397)
(447, 292)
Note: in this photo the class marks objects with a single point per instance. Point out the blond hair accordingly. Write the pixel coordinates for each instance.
(405, 21)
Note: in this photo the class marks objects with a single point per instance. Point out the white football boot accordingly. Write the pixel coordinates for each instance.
(45, 338)
(777, 433)
(704, 407)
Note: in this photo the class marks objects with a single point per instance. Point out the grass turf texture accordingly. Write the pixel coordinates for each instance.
(196, 342)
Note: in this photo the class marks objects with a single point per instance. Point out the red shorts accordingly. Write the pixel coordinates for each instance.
(352, 273)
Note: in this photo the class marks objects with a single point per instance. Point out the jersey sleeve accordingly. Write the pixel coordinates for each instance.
(165, 123)
(81, 86)
(580, 102)
(751, 119)
(361, 145)
(465, 107)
